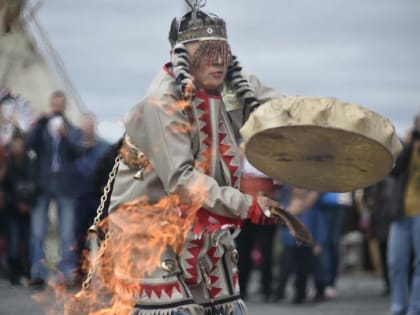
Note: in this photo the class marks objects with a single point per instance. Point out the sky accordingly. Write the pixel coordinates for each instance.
(360, 51)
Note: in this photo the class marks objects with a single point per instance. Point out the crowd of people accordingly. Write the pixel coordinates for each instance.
(323, 214)
(53, 161)
(387, 214)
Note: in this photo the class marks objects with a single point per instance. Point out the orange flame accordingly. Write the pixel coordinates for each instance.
(140, 233)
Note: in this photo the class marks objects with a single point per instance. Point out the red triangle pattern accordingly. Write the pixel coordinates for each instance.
(194, 249)
(214, 259)
(224, 148)
(213, 279)
(206, 129)
(214, 291)
(158, 289)
(235, 280)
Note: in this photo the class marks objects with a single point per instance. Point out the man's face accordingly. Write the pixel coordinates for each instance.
(58, 104)
(207, 76)
(88, 125)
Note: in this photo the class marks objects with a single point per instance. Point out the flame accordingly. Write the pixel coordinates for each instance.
(170, 108)
(139, 233)
(181, 128)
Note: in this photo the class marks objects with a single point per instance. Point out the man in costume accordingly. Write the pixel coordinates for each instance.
(182, 145)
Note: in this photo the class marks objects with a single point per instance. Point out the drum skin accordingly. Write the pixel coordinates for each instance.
(322, 144)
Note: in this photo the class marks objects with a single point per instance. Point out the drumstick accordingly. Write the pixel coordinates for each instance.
(295, 226)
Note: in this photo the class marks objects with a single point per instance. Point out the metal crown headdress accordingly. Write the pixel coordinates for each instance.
(197, 25)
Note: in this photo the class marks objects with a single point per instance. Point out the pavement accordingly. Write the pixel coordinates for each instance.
(358, 294)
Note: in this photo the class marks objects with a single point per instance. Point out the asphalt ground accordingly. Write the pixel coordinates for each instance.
(358, 294)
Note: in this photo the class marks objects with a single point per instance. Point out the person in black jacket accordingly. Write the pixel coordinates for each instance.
(57, 144)
(22, 191)
(377, 202)
(405, 229)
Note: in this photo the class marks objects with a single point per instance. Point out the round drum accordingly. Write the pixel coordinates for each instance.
(320, 143)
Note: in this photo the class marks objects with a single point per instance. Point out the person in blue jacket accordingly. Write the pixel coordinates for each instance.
(295, 258)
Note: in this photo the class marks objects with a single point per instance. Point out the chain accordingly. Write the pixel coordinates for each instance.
(107, 189)
(96, 261)
(96, 220)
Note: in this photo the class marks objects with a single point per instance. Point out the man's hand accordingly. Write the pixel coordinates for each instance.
(62, 130)
(265, 202)
(259, 212)
(267, 211)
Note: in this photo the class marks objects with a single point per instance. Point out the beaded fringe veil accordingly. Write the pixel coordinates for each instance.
(213, 52)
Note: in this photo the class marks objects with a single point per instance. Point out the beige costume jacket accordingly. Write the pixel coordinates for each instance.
(189, 147)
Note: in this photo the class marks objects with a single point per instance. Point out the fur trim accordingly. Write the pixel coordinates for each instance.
(181, 69)
(192, 309)
(242, 87)
(236, 307)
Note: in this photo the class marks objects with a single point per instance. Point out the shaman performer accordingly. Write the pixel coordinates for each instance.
(181, 145)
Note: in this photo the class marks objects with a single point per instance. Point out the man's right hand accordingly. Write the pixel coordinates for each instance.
(257, 211)
(268, 211)
(266, 202)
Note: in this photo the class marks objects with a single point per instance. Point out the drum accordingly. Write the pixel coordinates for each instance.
(322, 144)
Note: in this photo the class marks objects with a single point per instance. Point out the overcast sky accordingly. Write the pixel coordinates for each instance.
(361, 51)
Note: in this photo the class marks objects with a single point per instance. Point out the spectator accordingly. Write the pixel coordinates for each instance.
(377, 201)
(334, 207)
(255, 238)
(404, 235)
(22, 192)
(89, 192)
(57, 144)
(299, 259)
(3, 211)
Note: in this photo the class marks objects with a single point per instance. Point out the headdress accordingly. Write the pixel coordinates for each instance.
(197, 25)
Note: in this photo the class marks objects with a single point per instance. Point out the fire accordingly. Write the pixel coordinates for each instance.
(170, 108)
(139, 232)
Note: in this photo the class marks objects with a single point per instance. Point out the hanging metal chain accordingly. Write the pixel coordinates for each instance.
(95, 263)
(94, 227)
(105, 194)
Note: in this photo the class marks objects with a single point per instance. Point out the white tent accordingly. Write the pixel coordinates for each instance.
(31, 68)
(29, 65)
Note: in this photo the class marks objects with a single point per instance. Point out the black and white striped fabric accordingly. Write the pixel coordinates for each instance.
(242, 87)
(181, 69)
